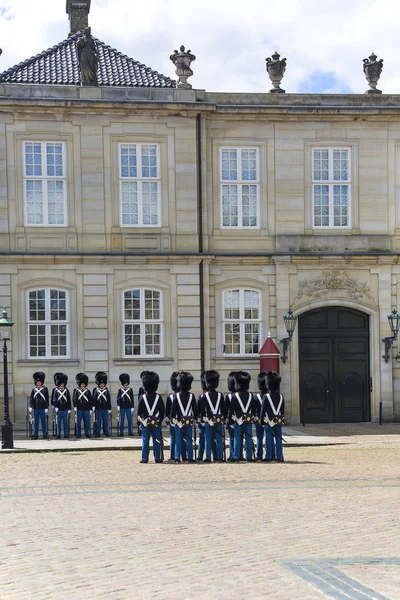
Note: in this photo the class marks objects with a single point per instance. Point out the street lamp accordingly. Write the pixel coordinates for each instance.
(290, 323)
(394, 322)
(7, 427)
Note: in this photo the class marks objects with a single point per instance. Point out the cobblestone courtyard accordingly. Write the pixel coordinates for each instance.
(83, 525)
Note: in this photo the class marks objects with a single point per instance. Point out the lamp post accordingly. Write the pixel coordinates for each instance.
(290, 323)
(7, 427)
(394, 323)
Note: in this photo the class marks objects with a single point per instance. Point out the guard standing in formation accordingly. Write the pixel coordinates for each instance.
(184, 413)
(101, 403)
(260, 427)
(200, 423)
(243, 410)
(211, 409)
(82, 401)
(39, 403)
(273, 415)
(229, 420)
(61, 402)
(150, 416)
(173, 381)
(125, 404)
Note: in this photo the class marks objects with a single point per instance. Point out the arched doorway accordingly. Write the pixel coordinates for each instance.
(334, 366)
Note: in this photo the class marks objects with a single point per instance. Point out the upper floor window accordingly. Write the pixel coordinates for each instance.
(45, 183)
(241, 321)
(48, 324)
(142, 323)
(240, 187)
(140, 184)
(331, 187)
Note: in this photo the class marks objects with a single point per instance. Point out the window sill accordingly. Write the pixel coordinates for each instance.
(54, 361)
(236, 359)
(143, 361)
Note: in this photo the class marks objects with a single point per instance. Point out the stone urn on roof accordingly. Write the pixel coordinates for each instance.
(372, 71)
(276, 67)
(182, 61)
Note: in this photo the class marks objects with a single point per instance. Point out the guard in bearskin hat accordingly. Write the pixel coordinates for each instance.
(61, 402)
(273, 415)
(183, 414)
(82, 401)
(243, 412)
(101, 401)
(125, 403)
(151, 413)
(260, 427)
(229, 422)
(200, 423)
(173, 381)
(39, 403)
(211, 411)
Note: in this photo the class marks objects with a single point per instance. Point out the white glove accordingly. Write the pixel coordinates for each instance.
(30, 409)
(69, 412)
(46, 410)
(109, 412)
(93, 409)
(118, 408)
(75, 408)
(132, 410)
(56, 409)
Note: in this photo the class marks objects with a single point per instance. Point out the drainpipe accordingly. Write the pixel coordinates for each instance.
(200, 237)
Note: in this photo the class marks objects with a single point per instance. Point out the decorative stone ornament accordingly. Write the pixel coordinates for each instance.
(182, 61)
(276, 68)
(372, 71)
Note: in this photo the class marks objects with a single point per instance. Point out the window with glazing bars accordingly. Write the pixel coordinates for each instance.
(331, 187)
(241, 321)
(240, 187)
(48, 324)
(142, 323)
(139, 185)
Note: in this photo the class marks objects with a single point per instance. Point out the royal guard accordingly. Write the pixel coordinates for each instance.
(183, 414)
(125, 403)
(61, 402)
(273, 415)
(173, 381)
(243, 412)
(201, 424)
(229, 422)
(82, 401)
(211, 411)
(260, 427)
(151, 413)
(101, 400)
(39, 403)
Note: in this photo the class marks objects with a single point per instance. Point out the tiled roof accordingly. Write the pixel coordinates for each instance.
(59, 66)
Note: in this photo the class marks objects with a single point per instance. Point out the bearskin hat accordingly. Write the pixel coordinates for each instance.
(124, 378)
(262, 381)
(60, 378)
(39, 376)
(203, 381)
(231, 381)
(185, 381)
(242, 381)
(81, 378)
(211, 379)
(273, 381)
(150, 381)
(173, 381)
(101, 377)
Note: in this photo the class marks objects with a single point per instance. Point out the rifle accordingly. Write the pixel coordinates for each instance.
(76, 423)
(54, 423)
(28, 421)
(94, 423)
(118, 423)
(195, 440)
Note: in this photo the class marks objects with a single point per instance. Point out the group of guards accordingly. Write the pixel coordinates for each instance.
(209, 417)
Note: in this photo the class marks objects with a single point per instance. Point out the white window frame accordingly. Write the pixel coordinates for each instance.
(47, 323)
(240, 183)
(242, 321)
(45, 179)
(142, 322)
(330, 182)
(139, 180)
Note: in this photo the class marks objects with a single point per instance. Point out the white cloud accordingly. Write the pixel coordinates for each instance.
(230, 39)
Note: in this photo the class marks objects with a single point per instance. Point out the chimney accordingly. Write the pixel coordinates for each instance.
(78, 14)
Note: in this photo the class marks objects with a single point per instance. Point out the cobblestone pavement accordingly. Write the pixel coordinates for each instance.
(83, 525)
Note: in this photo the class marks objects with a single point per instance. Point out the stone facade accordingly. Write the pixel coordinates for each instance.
(94, 259)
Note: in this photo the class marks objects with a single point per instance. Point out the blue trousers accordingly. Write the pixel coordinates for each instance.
(38, 413)
(202, 439)
(274, 443)
(231, 441)
(102, 416)
(125, 412)
(172, 441)
(155, 433)
(214, 441)
(85, 415)
(183, 433)
(239, 431)
(62, 418)
(260, 431)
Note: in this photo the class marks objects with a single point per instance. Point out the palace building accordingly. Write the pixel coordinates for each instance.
(145, 224)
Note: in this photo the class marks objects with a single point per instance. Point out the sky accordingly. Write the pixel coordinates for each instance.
(324, 41)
